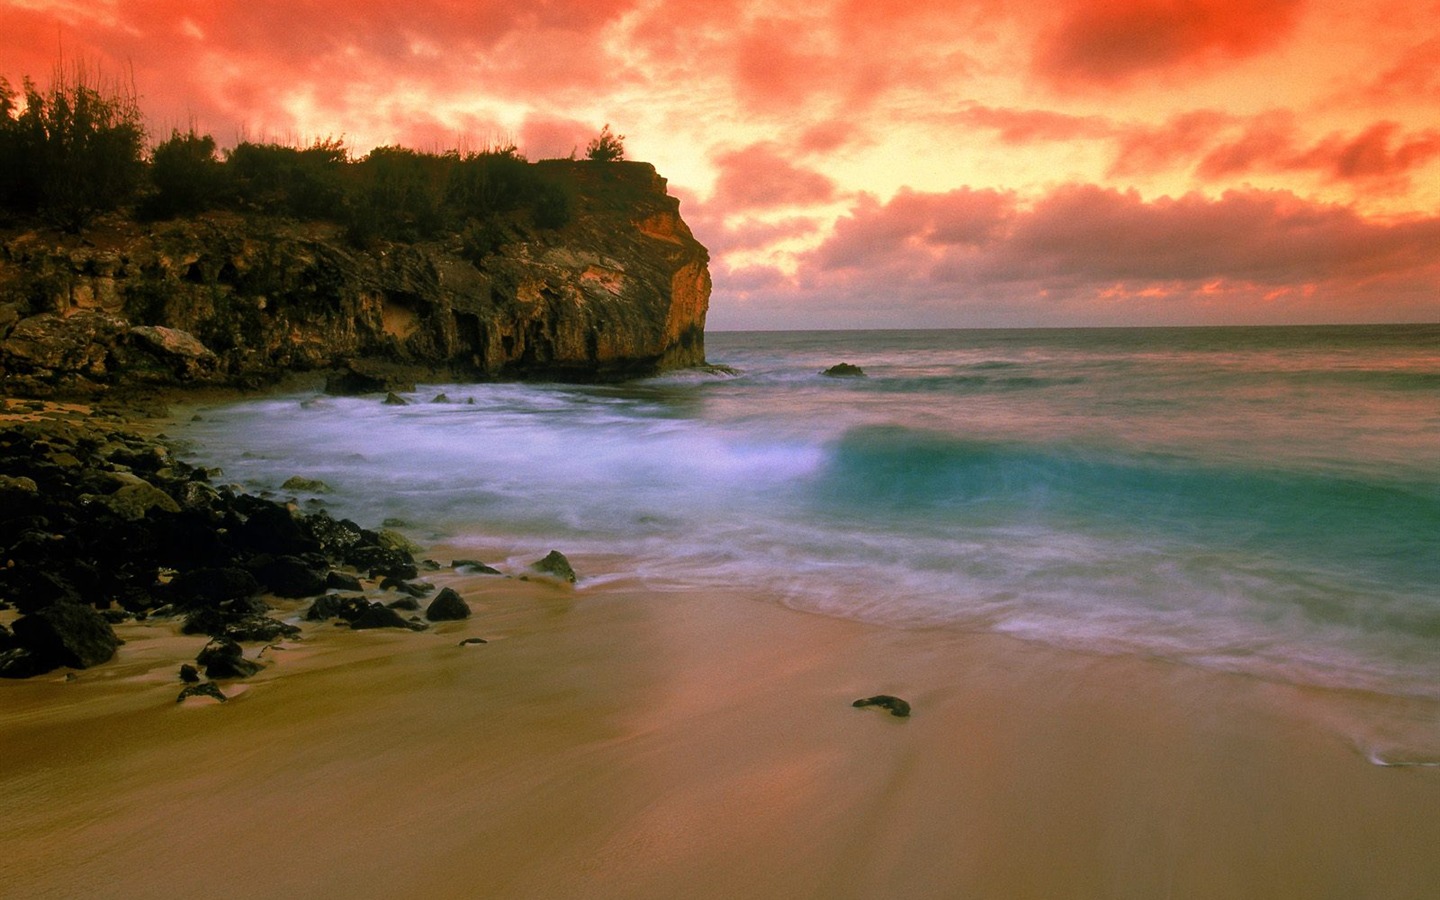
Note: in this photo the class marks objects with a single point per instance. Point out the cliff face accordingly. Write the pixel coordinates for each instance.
(620, 290)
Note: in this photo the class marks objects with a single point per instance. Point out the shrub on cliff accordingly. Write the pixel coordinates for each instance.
(74, 151)
(606, 146)
(187, 175)
(308, 182)
(398, 193)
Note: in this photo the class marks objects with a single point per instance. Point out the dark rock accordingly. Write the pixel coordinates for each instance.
(382, 562)
(844, 370)
(375, 615)
(189, 674)
(327, 607)
(307, 485)
(334, 536)
(555, 564)
(440, 398)
(394, 399)
(366, 377)
(17, 662)
(406, 604)
(207, 689)
(289, 576)
(474, 565)
(257, 628)
(134, 502)
(223, 658)
(447, 606)
(341, 581)
(271, 528)
(67, 634)
(413, 588)
(211, 587)
(897, 707)
(469, 641)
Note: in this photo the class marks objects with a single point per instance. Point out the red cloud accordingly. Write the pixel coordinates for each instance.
(257, 67)
(760, 176)
(1109, 43)
(1084, 254)
(913, 224)
(1144, 149)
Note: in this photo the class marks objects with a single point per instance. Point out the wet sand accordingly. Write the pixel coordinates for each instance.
(613, 741)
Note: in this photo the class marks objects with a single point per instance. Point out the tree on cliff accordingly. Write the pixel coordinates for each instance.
(606, 146)
(74, 151)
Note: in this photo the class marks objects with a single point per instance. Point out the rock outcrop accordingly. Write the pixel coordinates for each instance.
(622, 289)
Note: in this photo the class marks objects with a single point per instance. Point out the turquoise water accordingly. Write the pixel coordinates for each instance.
(1263, 500)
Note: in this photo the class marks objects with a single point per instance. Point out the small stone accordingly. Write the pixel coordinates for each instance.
(844, 370)
(441, 398)
(474, 565)
(468, 641)
(408, 604)
(394, 399)
(898, 708)
(208, 689)
(189, 674)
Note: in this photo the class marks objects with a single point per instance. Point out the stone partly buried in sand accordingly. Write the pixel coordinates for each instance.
(897, 707)
(76, 555)
(844, 370)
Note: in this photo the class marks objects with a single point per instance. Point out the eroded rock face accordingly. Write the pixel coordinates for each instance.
(621, 290)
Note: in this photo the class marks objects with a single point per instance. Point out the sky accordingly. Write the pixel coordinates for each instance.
(856, 164)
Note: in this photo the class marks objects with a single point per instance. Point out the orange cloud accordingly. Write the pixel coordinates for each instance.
(1110, 43)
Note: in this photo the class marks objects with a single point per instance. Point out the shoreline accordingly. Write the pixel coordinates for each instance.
(615, 741)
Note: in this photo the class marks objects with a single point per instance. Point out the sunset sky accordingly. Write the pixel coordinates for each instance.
(878, 164)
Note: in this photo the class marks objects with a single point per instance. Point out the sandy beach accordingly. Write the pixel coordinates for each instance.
(612, 741)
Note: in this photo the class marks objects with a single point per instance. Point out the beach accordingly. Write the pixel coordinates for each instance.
(617, 741)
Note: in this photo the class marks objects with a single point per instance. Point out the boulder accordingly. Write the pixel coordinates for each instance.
(342, 581)
(211, 587)
(180, 351)
(133, 501)
(844, 370)
(290, 576)
(67, 634)
(376, 615)
(306, 485)
(447, 606)
(81, 343)
(555, 564)
(405, 604)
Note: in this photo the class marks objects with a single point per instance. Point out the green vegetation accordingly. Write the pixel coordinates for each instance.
(606, 146)
(72, 152)
(75, 150)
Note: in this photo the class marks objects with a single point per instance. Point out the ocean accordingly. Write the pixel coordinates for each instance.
(1254, 500)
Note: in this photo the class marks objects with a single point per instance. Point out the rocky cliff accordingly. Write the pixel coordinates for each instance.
(621, 290)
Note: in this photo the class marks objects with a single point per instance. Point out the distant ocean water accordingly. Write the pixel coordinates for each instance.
(1261, 500)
